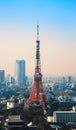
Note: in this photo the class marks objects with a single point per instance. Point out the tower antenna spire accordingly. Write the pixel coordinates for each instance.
(37, 31)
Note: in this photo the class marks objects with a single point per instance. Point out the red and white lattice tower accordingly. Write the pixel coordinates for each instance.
(37, 93)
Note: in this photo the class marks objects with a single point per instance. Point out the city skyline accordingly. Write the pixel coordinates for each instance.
(57, 21)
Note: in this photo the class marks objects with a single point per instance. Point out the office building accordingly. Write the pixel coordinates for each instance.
(20, 72)
(2, 76)
(69, 79)
(64, 116)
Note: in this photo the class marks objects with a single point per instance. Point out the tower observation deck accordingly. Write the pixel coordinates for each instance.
(37, 93)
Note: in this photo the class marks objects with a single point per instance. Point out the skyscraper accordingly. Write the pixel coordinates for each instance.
(20, 72)
(2, 76)
(69, 79)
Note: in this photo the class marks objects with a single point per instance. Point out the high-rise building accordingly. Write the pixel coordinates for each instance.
(2, 76)
(20, 72)
(69, 79)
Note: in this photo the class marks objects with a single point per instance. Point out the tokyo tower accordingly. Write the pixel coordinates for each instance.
(37, 93)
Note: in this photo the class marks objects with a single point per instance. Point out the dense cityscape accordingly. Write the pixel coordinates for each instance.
(40, 95)
(23, 104)
(60, 92)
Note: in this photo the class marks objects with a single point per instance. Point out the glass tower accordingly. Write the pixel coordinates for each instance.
(2, 76)
(20, 72)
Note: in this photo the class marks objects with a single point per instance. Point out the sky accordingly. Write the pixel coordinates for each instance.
(57, 24)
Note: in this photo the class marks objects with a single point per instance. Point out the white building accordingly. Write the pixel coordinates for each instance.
(50, 119)
(64, 116)
(10, 105)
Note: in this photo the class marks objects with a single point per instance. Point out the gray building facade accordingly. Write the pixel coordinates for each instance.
(64, 116)
(2, 76)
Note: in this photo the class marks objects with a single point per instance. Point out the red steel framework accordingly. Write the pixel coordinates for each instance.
(37, 93)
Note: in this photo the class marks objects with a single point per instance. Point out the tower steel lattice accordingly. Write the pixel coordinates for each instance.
(37, 93)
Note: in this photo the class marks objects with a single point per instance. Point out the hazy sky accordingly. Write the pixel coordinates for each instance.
(57, 20)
